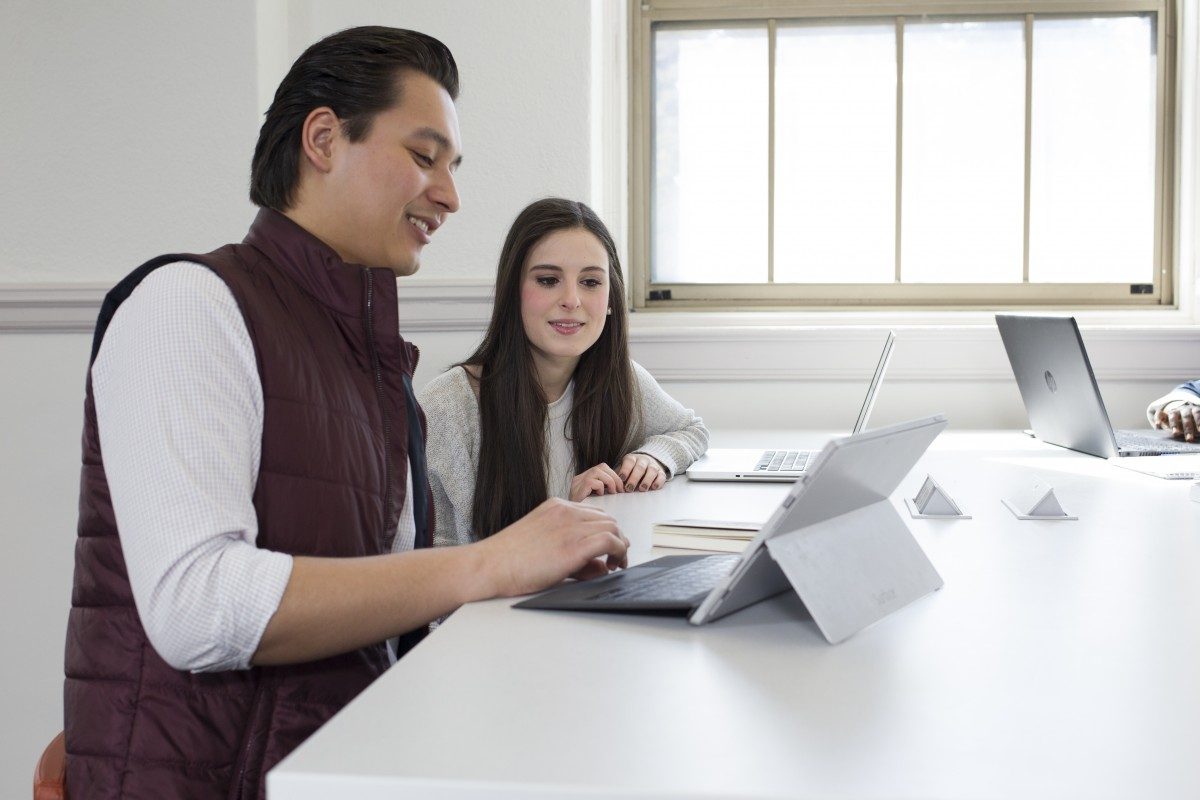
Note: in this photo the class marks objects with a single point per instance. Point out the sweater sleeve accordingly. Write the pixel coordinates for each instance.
(452, 453)
(673, 435)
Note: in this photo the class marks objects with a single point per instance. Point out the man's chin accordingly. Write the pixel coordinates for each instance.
(406, 267)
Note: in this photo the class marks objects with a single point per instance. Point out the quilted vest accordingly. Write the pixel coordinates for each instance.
(338, 403)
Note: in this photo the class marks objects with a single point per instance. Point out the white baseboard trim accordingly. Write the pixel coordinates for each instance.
(723, 350)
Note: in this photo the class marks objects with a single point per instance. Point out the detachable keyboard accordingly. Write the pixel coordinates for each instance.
(786, 460)
(676, 584)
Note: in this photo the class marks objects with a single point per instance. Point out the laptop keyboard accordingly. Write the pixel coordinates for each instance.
(776, 460)
(676, 584)
(1130, 440)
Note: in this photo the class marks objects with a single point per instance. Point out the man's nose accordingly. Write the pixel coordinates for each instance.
(444, 192)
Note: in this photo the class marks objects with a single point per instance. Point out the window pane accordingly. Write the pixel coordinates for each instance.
(835, 154)
(963, 194)
(710, 156)
(1092, 171)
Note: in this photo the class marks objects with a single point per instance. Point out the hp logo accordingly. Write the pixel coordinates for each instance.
(1050, 382)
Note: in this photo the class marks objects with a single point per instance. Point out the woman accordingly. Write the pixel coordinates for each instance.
(550, 404)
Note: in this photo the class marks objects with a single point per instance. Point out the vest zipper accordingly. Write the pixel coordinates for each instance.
(388, 532)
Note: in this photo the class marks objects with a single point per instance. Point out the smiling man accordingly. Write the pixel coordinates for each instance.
(255, 513)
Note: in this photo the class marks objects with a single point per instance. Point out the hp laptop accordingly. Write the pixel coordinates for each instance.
(836, 539)
(1060, 393)
(782, 464)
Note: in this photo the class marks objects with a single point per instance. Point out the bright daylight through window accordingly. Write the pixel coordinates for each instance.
(959, 158)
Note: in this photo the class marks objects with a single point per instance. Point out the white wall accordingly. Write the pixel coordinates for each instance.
(128, 129)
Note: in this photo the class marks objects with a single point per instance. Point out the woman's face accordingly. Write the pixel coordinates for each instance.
(564, 295)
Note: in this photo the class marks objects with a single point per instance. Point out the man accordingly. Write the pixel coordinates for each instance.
(254, 510)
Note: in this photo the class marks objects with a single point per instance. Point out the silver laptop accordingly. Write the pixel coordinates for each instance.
(836, 539)
(781, 464)
(1060, 393)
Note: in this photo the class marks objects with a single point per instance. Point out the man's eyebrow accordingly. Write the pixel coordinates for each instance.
(438, 138)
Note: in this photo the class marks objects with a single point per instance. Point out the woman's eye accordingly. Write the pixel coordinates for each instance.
(546, 280)
(592, 283)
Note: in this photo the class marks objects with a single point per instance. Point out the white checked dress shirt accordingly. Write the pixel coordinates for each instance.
(179, 410)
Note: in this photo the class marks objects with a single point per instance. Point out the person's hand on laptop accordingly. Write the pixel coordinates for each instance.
(1181, 419)
(556, 540)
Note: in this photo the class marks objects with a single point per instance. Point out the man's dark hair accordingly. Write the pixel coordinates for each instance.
(356, 73)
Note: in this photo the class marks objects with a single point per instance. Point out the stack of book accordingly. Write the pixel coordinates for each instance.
(717, 536)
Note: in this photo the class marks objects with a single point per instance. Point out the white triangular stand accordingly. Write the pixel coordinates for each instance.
(932, 502)
(1037, 501)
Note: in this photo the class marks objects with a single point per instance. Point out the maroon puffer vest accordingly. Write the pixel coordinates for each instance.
(338, 405)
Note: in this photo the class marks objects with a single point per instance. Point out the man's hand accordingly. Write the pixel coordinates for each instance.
(1183, 421)
(556, 540)
(641, 473)
(600, 479)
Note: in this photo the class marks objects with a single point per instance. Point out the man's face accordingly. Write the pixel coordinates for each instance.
(392, 190)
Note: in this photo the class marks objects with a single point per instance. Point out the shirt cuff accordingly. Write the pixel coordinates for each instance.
(266, 575)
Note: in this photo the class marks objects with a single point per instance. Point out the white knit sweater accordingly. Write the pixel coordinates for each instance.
(673, 435)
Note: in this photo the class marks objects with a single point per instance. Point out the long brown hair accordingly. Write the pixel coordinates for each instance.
(511, 478)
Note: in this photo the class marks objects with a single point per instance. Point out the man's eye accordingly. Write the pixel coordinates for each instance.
(423, 159)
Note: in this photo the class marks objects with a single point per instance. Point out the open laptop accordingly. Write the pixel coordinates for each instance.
(1060, 393)
(836, 539)
(720, 464)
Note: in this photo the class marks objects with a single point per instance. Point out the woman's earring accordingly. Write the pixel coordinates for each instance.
(610, 312)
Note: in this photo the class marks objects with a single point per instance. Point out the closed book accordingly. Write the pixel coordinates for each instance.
(712, 544)
(722, 529)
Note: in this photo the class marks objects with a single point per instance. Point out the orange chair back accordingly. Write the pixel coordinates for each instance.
(50, 775)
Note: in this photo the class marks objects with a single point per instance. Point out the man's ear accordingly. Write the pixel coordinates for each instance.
(321, 127)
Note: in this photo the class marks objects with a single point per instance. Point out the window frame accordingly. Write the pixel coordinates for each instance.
(644, 14)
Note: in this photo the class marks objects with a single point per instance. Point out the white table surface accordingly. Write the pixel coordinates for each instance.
(1062, 659)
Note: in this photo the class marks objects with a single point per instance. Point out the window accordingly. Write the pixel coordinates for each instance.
(867, 153)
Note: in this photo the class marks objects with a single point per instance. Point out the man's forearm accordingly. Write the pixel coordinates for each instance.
(334, 605)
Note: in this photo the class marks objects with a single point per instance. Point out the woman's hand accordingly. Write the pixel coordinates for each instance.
(641, 473)
(600, 479)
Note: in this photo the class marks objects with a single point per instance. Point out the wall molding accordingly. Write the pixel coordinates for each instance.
(709, 348)
(451, 305)
(50, 307)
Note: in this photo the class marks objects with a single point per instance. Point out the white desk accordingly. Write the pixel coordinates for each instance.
(1062, 659)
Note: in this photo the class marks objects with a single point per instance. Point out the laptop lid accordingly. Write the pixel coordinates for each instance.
(724, 464)
(837, 539)
(885, 358)
(1056, 382)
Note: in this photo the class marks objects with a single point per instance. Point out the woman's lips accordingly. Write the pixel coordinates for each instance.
(566, 327)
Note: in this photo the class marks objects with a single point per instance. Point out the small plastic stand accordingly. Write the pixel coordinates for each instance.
(932, 502)
(1037, 501)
